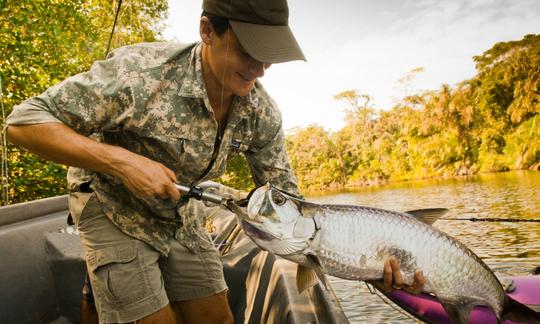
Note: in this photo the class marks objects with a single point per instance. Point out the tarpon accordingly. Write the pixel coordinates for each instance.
(353, 242)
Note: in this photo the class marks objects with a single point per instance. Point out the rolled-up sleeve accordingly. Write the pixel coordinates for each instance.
(93, 101)
(31, 111)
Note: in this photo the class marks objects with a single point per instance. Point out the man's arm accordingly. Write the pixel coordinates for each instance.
(61, 144)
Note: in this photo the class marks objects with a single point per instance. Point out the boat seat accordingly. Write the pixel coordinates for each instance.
(66, 259)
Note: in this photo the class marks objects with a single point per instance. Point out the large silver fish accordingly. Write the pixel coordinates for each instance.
(353, 242)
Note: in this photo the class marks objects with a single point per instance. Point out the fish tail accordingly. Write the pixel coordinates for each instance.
(517, 312)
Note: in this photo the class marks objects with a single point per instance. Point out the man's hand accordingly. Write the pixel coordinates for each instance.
(393, 279)
(147, 178)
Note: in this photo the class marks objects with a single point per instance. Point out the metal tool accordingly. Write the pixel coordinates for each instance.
(199, 194)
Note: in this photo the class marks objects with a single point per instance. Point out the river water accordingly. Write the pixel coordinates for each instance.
(507, 248)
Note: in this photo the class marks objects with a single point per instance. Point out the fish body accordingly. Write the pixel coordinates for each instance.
(353, 242)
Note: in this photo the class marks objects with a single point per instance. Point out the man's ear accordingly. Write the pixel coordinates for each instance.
(206, 30)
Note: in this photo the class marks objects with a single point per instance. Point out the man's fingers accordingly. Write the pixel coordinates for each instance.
(387, 276)
(393, 279)
(170, 174)
(172, 192)
(418, 283)
(396, 273)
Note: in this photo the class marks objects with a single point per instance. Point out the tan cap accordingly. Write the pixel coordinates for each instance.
(262, 27)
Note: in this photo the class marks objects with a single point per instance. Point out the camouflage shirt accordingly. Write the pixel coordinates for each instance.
(151, 99)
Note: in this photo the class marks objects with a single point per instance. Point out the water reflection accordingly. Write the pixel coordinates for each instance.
(508, 248)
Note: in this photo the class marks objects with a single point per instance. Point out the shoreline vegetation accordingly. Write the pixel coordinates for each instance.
(489, 123)
(380, 183)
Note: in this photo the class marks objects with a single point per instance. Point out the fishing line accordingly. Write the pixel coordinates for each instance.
(229, 29)
(4, 165)
(222, 99)
(210, 228)
(114, 25)
(209, 219)
(388, 302)
(509, 220)
(202, 238)
(5, 169)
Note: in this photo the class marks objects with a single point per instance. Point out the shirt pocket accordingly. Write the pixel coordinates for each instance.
(169, 149)
(187, 151)
(240, 140)
(84, 206)
(119, 276)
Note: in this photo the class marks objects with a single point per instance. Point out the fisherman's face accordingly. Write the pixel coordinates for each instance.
(234, 69)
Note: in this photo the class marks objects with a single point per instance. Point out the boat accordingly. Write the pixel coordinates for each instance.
(42, 273)
(427, 308)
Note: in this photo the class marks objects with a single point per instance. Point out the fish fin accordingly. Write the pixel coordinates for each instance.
(286, 247)
(305, 278)
(318, 269)
(517, 312)
(428, 215)
(508, 284)
(458, 311)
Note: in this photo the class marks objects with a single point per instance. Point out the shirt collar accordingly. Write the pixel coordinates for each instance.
(192, 82)
(193, 86)
(245, 105)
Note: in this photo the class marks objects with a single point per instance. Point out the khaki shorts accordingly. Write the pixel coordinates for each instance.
(129, 278)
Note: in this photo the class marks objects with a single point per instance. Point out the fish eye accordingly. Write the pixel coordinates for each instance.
(278, 198)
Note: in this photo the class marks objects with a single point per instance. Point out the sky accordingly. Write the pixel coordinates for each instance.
(371, 45)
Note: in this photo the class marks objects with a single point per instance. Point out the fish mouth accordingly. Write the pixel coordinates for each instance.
(256, 201)
(245, 218)
(255, 232)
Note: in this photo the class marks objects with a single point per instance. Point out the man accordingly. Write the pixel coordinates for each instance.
(147, 117)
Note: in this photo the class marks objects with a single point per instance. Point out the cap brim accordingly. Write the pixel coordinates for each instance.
(268, 43)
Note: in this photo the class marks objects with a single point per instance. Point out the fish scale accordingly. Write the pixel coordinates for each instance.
(354, 242)
(378, 234)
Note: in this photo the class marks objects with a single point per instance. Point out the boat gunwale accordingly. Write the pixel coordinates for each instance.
(19, 212)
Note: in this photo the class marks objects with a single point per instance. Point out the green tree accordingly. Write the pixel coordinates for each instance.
(486, 123)
(43, 42)
(312, 159)
(237, 175)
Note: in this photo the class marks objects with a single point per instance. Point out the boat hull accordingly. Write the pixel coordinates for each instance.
(428, 308)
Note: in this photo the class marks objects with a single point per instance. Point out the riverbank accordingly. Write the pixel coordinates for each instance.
(386, 183)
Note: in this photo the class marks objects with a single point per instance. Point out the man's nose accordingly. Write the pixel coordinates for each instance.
(258, 68)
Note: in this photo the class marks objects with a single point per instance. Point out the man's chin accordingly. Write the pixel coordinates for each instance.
(244, 91)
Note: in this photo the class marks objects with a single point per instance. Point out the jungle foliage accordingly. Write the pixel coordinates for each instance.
(488, 123)
(41, 43)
